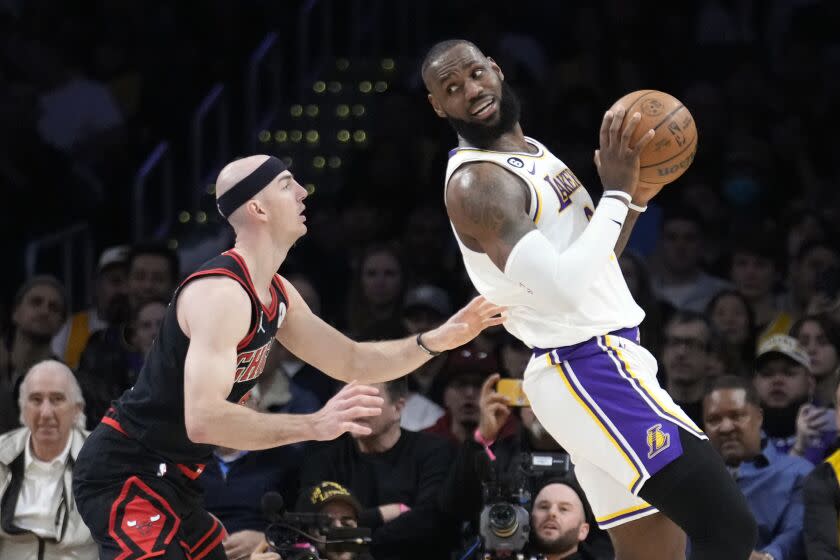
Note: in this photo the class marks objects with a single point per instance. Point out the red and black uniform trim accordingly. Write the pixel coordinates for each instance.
(153, 410)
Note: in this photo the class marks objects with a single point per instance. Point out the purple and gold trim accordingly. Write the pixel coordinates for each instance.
(580, 394)
(625, 515)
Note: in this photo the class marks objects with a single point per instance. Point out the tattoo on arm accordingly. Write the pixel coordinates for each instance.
(484, 209)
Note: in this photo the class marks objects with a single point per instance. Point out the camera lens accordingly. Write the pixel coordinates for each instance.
(502, 520)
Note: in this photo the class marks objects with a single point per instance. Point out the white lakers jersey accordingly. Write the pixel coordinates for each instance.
(560, 208)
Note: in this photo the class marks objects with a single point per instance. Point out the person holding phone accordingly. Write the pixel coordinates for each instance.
(498, 441)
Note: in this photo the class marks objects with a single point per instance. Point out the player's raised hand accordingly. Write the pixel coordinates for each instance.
(343, 412)
(465, 325)
(617, 161)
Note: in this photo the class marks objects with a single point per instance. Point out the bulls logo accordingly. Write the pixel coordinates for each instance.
(141, 521)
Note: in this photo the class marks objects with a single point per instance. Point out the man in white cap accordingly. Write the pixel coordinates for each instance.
(111, 306)
(785, 386)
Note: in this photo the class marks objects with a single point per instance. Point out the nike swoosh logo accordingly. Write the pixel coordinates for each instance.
(619, 223)
(533, 168)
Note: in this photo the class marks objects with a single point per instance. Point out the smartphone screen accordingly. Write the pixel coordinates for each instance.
(512, 389)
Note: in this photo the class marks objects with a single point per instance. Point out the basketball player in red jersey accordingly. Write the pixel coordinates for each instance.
(135, 479)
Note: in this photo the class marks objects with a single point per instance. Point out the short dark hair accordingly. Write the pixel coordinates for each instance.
(683, 213)
(684, 316)
(439, 49)
(42, 280)
(762, 244)
(158, 249)
(397, 388)
(733, 382)
(809, 246)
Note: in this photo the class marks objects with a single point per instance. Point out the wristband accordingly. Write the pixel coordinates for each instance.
(424, 348)
(484, 443)
(637, 208)
(620, 194)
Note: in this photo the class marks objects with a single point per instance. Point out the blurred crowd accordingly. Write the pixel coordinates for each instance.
(737, 264)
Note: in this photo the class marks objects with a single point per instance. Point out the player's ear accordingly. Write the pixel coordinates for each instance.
(436, 106)
(495, 68)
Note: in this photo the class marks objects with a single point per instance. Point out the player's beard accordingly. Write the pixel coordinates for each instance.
(483, 135)
(563, 543)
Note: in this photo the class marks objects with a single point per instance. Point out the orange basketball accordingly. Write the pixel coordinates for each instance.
(674, 144)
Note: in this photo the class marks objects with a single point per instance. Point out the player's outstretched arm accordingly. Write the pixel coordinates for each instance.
(215, 314)
(312, 340)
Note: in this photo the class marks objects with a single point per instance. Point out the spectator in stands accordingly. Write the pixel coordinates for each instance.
(114, 356)
(731, 316)
(38, 310)
(560, 521)
(783, 380)
(279, 385)
(234, 483)
(813, 260)
(375, 298)
(425, 238)
(820, 337)
(771, 481)
(458, 387)
(802, 227)
(723, 359)
(499, 434)
(144, 327)
(425, 307)
(396, 475)
(657, 311)
(153, 272)
(754, 274)
(513, 356)
(38, 518)
(685, 356)
(681, 281)
(341, 508)
(301, 386)
(111, 307)
(822, 504)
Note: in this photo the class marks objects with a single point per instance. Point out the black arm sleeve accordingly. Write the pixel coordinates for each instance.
(822, 497)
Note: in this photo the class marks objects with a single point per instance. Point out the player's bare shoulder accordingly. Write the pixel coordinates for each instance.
(488, 207)
(215, 300)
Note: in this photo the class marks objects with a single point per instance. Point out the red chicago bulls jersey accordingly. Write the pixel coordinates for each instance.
(153, 410)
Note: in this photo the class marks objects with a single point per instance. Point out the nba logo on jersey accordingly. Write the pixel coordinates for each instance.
(657, 440)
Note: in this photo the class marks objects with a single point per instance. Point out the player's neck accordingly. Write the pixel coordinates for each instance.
(511, 141)
(262, 257)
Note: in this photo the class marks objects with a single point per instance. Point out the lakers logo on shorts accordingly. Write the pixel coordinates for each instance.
(657, 440)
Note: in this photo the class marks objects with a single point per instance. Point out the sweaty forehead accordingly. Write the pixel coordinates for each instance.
(457, 58)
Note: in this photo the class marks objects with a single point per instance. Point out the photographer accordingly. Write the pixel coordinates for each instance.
(337, 508)
(482, 456)
(558, 521)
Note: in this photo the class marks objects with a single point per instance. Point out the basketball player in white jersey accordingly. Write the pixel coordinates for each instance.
(533, 240)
